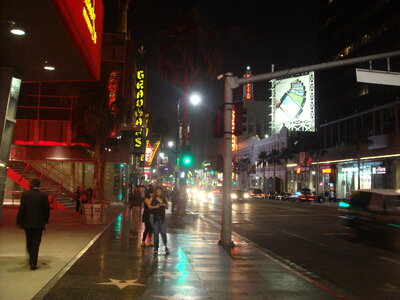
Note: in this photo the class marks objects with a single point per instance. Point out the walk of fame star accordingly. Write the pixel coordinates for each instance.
(167, 274)
(180, 296)
(121, 284)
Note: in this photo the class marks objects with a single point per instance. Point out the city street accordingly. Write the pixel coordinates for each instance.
(310, 239)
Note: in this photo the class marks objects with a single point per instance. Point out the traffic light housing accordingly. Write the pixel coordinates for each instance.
(240, 118)
(219, 122)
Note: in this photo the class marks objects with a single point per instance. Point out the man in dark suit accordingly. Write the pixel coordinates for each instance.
(33, 215)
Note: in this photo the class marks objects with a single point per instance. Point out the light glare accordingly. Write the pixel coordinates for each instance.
(17, 31)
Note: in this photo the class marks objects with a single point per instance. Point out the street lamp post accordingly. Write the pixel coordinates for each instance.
(182, 139)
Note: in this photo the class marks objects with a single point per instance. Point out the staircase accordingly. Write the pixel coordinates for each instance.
(50, 178)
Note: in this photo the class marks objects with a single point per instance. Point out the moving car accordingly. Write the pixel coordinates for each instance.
(373, 213)
(256, 193)
(239, 195)
(303, 195)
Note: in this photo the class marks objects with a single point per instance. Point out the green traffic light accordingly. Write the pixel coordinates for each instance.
(187, 160)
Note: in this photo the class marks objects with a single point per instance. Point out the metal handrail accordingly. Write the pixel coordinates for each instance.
(53, 173)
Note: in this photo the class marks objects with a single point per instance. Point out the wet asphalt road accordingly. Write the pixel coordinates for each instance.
(312, 237)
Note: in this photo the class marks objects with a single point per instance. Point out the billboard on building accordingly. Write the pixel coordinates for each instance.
(292, 103)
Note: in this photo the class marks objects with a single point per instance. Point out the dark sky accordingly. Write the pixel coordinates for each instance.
(255, 33)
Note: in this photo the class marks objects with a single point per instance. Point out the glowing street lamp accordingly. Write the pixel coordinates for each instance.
(170, 144)
(195, 99)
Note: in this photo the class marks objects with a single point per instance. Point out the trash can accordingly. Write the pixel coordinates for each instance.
(94, 213)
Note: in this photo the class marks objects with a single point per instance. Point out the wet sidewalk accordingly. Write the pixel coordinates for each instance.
(117, 267)
(65, 239)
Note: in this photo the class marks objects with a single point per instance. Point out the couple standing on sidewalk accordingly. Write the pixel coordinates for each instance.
(153, 217)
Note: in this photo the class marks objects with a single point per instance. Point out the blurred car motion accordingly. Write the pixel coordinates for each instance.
(303, 195)
(256, 193)
(373, 214)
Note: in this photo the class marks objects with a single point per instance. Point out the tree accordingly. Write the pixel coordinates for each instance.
(358, 138)
(93, 123)
(262, 160)
(187, 51)
(274, 158)
(242, 165)
(286, 155)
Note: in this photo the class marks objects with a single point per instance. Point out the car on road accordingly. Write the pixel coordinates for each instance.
(303, 195)
(256, 193)
(239, 195)
(373, 214)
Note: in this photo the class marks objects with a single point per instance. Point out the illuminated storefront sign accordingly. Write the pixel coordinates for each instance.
(292, 103)
(90, 17)
(326, 171)
(248, 88)
(378, 170)
(150, 152)
(84, 21)
(112, 90)
(139, 116)
(234, 137)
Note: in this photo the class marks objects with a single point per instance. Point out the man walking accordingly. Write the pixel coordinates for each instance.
(33, 215)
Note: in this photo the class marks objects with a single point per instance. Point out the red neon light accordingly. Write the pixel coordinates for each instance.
(84, 21)
(112, 90)
(234, 137)
(48, 143)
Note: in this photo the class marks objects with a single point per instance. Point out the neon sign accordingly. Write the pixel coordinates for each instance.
(327, 171)
(150, 152)
(234, 137)
(248, 88)
(139, 115)
(90, 18)
(112, 90)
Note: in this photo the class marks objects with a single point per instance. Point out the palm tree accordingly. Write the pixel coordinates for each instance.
(317, 153)
(188, 50)
(262, 160)
(286, 155)
(274, 158)
(242, 165)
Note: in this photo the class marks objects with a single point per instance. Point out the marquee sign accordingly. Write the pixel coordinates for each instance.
(139, 116)
(84, 21)
(292, 103)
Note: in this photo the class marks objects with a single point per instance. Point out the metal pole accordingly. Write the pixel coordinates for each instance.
(226, 221)
(177, 144)
(317, 67)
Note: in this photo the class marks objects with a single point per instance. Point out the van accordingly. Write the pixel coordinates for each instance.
(374, 214)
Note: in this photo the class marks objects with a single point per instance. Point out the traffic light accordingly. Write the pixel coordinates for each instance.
(240, 118)
(219, 122)
(187, 159)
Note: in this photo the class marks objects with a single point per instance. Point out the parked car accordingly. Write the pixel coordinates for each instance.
(239, 195)
(373, 213)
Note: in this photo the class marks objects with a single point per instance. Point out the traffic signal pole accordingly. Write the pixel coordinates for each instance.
(226, 219)
(231, 82)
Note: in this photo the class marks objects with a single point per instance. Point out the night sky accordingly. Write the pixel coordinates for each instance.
(254, 33)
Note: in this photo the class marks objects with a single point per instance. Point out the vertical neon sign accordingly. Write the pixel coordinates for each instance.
(234, 137)
(248, 88)
(139, 115)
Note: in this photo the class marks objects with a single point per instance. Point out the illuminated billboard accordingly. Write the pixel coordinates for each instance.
(292, 103)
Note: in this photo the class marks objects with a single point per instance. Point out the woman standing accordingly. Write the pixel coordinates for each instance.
(157, 205)
(148, 229)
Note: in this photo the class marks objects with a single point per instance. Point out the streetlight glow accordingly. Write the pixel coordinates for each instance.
(195, 99)
(170, 144)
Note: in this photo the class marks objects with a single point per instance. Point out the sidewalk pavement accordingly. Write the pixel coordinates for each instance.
(115, 267)
(66, 236)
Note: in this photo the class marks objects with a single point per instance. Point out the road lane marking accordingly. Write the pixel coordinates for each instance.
(390, 260)
(335, 233)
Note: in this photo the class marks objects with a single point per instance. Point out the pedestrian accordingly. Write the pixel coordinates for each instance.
(182, 200)
(135, 203)
(33, 215)
(174, 198)
(148, 229)
(157, 205)
(77, 196)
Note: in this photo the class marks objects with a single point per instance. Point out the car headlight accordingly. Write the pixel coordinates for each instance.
(200, 195)
(246, 195)
(210, 195)
(234, 196)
